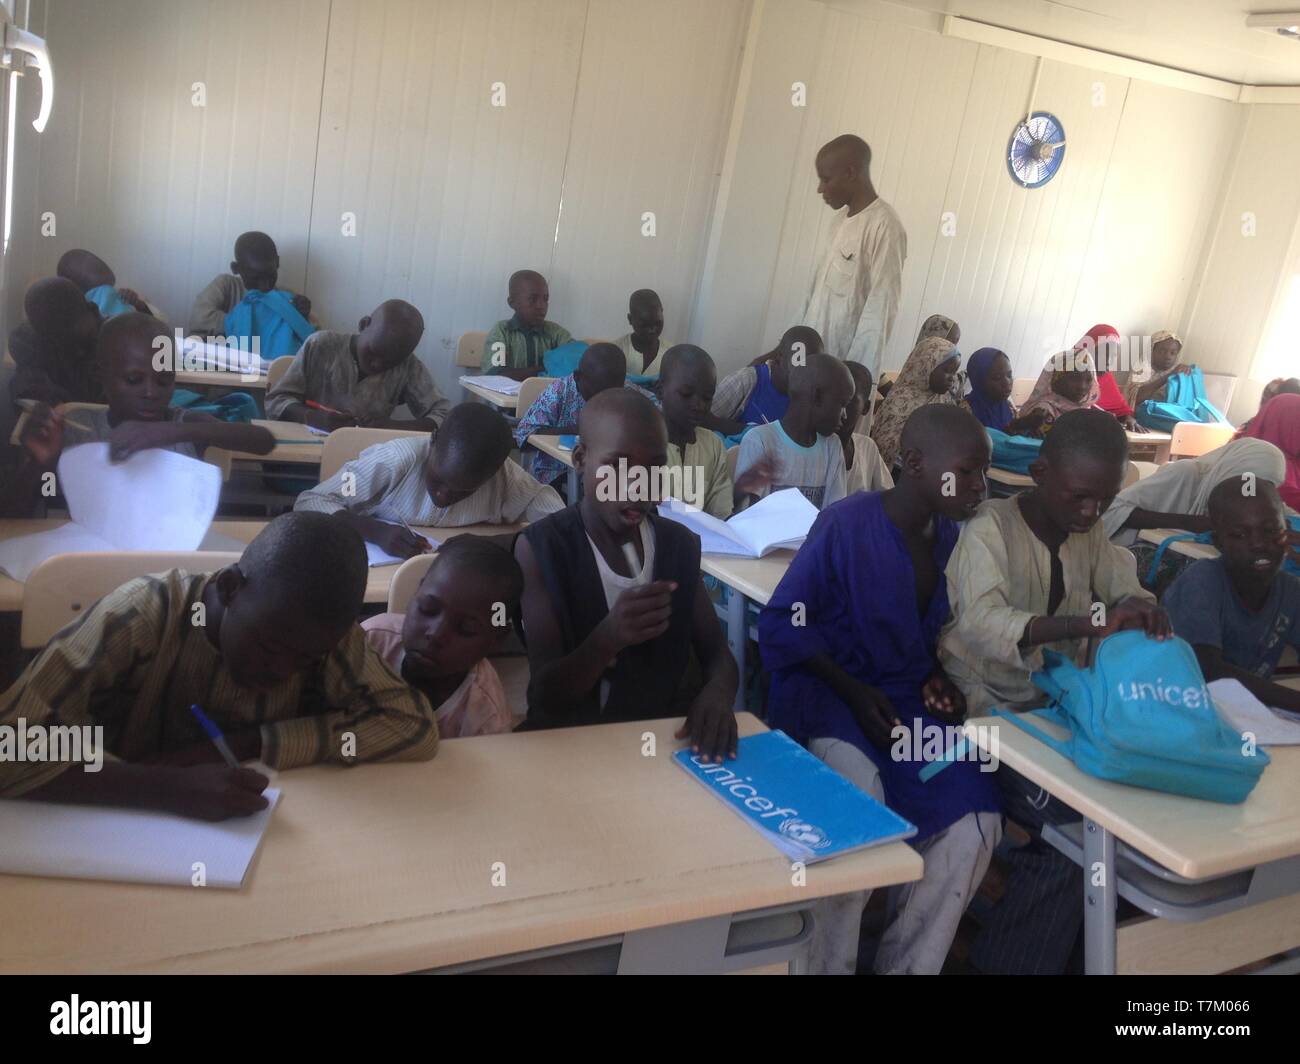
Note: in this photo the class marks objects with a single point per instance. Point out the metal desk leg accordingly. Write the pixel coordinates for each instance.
(736, 638)
(1099, 900)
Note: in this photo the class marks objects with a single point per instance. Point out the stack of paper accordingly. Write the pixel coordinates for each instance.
(154, 501)
(806, 810)
(493, 383)
(780, 520)
(1243, 712)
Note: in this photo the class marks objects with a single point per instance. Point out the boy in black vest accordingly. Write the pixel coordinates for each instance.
(609, 640)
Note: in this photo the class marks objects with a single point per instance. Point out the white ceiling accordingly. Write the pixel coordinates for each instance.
(1200, 36)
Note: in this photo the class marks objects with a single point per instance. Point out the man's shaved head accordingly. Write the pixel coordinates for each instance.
(844, 172)
(847, 150)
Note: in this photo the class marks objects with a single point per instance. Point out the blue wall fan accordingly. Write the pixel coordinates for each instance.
(1036, 149)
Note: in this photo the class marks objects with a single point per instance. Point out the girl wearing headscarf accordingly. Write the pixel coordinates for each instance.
(941, 325)
(1068, 382)
(1103, 343)
(989, 398)
(926, 377)
(1177, 495)
(1166, 354)
(1279, 424)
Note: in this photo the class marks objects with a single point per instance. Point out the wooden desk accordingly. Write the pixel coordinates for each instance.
(1155, 442)
(551, 445)
(497, 399)
(378, 582)
(1188, 547)
(390, 868)
(1004, 482)
(217, 378)
(294, 442)
(744, 580)
(1190, 840)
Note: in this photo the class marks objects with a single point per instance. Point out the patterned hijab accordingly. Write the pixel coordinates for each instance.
(1079, 357)
(910, 391)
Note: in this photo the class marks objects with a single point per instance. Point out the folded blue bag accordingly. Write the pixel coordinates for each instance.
(1184, 401)
(1013, 453)
(563, 360)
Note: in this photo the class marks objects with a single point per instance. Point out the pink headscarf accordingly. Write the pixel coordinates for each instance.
(1279, 424)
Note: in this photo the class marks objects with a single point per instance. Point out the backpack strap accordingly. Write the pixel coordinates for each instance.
(1159, 555)
(1020, 720)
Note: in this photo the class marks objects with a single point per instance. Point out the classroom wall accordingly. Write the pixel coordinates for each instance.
(1115, 237)
(383, 112)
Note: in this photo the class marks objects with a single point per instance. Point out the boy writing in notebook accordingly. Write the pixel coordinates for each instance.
(515, 346)
(614, 606)
(759, 394)
(854, 675)
(255, 268)
(696, 456)
(801, 450)
(644, 344)
(1033, 571)
(461, 613)
(462, 476)
(555, 412)
(278, 663)
(339, 379)
(1239, 611)
(98, 283)
(54, 349)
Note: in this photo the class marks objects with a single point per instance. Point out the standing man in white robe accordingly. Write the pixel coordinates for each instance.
(855, 292)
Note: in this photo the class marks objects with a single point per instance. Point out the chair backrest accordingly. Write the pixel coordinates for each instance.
(469, 349)
(61, 588)
(343, 445)
(276, 370)
(1191, 439)
(529, 390)
(1021, 388)
(406, 580)
(1139, 471)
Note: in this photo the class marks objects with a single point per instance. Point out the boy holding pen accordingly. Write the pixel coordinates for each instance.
(268, 648)
(341, 379)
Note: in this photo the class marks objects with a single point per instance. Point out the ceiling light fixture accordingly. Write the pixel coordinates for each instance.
(1283, 23)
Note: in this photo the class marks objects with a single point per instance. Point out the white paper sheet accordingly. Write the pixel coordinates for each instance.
(1243, 712)
(155, 500)
(376, 555)
(127, 845)
(504, 385)
(781, 519)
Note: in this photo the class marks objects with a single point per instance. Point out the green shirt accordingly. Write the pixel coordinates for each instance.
(524, 347)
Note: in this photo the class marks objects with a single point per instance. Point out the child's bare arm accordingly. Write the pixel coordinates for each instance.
(711, 722)
(201, 430)
(205, 792)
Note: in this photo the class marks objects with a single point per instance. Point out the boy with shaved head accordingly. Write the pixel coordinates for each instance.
(694, 453)
(255, 268)
(339, 379)
(644, 344)
(855, 674)
(54, 349)
(614, 604)
(759, 393)
(855, 292)
(98, 283)
(276, 660)
(1241, 610)
(802, 450)
(462, 476)
(515, 346)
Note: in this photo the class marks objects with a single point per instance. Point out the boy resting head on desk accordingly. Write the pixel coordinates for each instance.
(268, 648)
(614, 605)
(54, 349)
(464, 608)
(98, 283)
(463, 476)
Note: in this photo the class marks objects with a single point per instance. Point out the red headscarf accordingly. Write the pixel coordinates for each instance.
(1111, 399)
(1279, 424)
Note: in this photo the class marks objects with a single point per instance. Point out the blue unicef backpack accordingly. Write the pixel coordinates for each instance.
(1013, 453)
(1142, 715)
(1184, 401)
(273, 318)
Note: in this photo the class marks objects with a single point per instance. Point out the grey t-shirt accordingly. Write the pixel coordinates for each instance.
(1205, 610)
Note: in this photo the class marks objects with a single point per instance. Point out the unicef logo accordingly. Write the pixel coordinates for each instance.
(805, 834)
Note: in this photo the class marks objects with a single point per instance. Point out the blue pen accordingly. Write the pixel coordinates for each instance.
(214, 733)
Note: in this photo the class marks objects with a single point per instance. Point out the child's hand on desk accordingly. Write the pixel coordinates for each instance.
(942, 697)
(711, 726)
(327, 421)
(42, 435)
(640, 614)
(875, 715)
(208, 792)
(396, 540)
(758, 476)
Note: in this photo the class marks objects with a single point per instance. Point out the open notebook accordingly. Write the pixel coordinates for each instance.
(377, 556)
(503, 385)
(780, 520)
(1243, 712)
(128, 845)
(155, 500)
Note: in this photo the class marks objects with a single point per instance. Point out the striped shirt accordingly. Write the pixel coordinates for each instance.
(325, 370)
(524, 347)
(733, 392)
(386, 481)
(135, 662)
